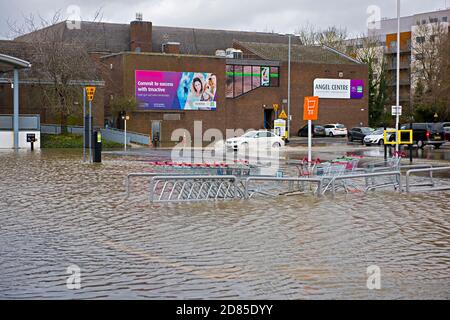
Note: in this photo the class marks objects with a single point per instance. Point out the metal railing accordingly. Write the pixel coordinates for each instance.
(26, 122)
(118, 136)
(194, 188)
(430, 170)
(248, 193)
(56, 129)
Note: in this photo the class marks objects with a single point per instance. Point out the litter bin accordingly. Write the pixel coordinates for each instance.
(97, 147)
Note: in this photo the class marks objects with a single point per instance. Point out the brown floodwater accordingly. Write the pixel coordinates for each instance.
(56, 211)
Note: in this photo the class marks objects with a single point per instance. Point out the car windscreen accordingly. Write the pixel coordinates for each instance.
(367, 130)
(377, 132)
(250, 134)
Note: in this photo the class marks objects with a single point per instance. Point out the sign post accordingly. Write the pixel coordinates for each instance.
(125, 118)
(84, 124)
(90, 92)
(310, 113)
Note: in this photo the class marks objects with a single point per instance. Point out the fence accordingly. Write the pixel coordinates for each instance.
(26, 122)
(109, 134)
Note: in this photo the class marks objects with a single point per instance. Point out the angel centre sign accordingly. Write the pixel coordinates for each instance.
(339, 88)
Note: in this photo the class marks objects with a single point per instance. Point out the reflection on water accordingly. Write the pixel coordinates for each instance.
(56, 211)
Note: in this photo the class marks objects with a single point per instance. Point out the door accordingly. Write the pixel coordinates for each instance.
(156, 132)
(268, 119)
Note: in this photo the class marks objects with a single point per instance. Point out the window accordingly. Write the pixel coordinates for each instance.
(444, 19)
(420, 40)
(256, 77)
(274, 77)
(238, 77)
(229, 89)
(247, 78)
(242, 79)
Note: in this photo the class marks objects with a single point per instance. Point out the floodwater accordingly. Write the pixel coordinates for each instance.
(56, 212)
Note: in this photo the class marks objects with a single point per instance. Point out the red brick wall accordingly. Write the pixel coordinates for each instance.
(247, 111)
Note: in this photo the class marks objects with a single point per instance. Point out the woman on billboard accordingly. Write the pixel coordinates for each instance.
(196, 92)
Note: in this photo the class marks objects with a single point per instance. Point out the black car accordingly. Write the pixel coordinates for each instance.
(317, 130)
(359, 133)
(426, 134)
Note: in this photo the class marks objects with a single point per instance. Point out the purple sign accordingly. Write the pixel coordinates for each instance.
(356, 89)
(158, 90)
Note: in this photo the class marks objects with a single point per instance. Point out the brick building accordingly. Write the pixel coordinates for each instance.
(250, 81)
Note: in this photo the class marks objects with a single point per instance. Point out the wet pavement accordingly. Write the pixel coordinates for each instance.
(56, 211)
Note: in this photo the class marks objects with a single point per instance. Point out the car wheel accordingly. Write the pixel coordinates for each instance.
(381, 142)
(276, 145)
(331, 135)
(420, 144)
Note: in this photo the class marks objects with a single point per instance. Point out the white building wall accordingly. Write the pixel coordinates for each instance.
(7, 140)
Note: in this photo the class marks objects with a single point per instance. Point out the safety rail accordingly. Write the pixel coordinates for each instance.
(368, 186)
(194, 188)
(431, 170)
(292, 180)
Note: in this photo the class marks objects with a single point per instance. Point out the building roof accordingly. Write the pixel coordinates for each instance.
(114, 37)
(299, 53)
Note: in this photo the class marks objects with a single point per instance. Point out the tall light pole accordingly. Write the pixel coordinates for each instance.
(289, 90)
(125, 118)
(397, 121)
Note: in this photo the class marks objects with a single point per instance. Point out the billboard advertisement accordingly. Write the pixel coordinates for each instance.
(339, 88)
(159, 90)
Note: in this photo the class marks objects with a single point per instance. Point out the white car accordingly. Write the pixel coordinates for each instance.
(332, 130)
(258, 139)
(377, 137)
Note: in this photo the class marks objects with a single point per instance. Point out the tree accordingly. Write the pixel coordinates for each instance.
(369, 51)
(430, 71)
(333, 37)
(123, 105)
(60, 66)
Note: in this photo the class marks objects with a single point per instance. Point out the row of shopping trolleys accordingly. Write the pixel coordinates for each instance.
(190, 182)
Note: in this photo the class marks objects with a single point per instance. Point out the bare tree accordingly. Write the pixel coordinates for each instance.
(430, 71)
(60, 66)
(333, 37)
(370, 51)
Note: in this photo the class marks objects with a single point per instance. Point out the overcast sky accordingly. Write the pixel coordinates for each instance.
(281, 16)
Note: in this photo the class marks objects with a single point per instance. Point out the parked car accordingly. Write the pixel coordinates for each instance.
(332, 130)
(447, 133)
(377, 137)
(359, 133)
(252, 139)
(317, 130)
(426, 134)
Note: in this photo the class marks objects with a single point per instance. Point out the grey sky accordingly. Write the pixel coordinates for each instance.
(282, 16)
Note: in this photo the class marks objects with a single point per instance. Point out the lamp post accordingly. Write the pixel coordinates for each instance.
(289, 90)
(397, 121)
(125, 118)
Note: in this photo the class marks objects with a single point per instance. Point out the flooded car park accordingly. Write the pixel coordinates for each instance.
(56, 212)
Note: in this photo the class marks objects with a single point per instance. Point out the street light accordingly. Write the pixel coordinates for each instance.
(289, 90)
(397, 121)
(125, 118)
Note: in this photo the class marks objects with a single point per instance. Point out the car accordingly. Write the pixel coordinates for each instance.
(262, 138)
(317, 130)
(359, 133)
(337, 129)
(377, 137)
(426, 134)
(447, 133)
